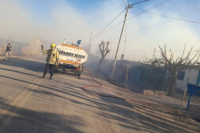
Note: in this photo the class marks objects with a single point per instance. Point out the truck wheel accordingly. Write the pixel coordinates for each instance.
(79, 73)
(75, 73)
(63, 69)
(56, 70)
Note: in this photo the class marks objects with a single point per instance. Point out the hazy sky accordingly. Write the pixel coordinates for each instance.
(54, 20)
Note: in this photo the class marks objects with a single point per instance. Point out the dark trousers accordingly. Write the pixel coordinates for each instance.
(51, 67)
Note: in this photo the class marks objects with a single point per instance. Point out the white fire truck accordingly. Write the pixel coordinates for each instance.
(72, 58)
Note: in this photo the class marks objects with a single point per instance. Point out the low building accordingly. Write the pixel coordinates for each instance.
(187, 76)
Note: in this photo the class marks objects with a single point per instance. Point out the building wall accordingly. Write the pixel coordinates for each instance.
(190, 76)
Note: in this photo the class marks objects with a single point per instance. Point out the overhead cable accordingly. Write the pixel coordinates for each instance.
(169, 17)
(139, 2)
(125, 2)
(149, 9)
(165, 22)
(137, 15)
(158, 31)
(108, 24)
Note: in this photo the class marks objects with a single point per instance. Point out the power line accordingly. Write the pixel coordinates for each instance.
(149, 9)
(156, 25)
(165, 22)
(173, 27)
(139, 2)
(136, 15)
(108, 24)
(168, 16)
(125, 2)
(127, 9)
(160, 30)
(140, 14)
(115, 19)
(106, 20)
(144, 12)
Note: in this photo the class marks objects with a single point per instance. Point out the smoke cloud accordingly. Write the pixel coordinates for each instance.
(53, 21)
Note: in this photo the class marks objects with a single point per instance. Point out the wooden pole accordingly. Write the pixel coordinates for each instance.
(90, 43)
(180, 108)
(113, 69)
(127, 77)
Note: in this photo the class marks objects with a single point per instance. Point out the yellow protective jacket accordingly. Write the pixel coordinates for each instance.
(52, 57)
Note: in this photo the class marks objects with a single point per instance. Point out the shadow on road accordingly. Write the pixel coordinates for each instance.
(16, 71)
(130, 116)
(135, 117)
(23, 62)
(36, 64)
(147, 118)
(29, 121)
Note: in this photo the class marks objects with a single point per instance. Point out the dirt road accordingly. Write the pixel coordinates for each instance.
(29, 104)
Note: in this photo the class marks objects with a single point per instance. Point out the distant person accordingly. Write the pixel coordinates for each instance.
(52, 60)
(8, 52)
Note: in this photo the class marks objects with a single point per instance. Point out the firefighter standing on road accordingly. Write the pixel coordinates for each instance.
(52, 60)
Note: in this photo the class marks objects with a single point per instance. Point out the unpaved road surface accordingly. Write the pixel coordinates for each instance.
(29, 104)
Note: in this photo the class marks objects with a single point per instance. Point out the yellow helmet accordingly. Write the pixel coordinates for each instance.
(53, 45)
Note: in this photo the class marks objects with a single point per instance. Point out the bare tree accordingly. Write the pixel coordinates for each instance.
(173, 66)
(103, 47)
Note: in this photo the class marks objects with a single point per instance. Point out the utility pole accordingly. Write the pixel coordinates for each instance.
(90, 42)
(127, 9)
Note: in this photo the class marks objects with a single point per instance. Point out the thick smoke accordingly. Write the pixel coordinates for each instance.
(64, 21)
